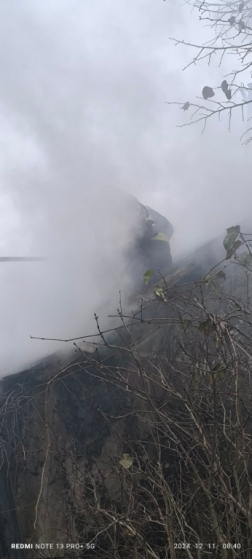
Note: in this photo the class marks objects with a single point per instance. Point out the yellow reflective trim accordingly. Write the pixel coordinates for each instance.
(161, 237)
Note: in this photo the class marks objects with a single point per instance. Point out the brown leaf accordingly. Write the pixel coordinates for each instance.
(231, 20)
(186, 106)
(126, 461)
(207, 92)
(224, 86)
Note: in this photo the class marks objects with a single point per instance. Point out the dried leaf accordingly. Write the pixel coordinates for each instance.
(220, 275)
(232, 234)
(126, 461)
(246, 258)
(230, 243)
(159, 292)
(224, 86)
(231, 20)
(186, 106)
(207, 92)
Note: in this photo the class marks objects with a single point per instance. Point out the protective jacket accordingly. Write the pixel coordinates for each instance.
(155, 226)
(151, 249)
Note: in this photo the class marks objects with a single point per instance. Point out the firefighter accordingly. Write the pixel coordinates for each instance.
(144, 234)
(151, 248)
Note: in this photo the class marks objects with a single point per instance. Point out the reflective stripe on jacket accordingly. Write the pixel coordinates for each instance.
(160, 237)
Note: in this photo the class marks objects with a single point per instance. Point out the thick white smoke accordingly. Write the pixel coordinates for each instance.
(83, 87)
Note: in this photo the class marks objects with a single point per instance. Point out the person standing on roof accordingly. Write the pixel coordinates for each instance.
(151, 246)
(135, 238)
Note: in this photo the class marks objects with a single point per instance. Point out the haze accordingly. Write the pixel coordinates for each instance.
(83, 87)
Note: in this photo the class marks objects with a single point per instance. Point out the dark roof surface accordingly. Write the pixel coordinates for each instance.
(192, 267)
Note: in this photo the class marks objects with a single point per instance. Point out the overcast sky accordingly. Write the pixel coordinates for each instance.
(83, 86)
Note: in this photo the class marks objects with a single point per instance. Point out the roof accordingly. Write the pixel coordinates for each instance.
(190, 268)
